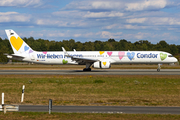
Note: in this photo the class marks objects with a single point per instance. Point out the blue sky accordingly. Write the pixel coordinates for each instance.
(90, 20)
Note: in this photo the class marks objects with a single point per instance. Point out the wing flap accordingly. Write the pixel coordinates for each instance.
(83, 59)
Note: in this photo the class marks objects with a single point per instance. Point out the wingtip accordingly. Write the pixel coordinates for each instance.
(63, 49)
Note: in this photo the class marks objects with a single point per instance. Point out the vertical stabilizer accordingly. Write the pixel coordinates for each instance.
(17, 44)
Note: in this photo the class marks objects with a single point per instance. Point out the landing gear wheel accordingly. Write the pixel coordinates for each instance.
(158, 70)
(87, 69)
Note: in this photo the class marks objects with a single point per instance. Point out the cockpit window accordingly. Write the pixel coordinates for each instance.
(170, 55)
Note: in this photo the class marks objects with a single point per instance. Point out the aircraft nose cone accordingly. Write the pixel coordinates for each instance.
(175, 60)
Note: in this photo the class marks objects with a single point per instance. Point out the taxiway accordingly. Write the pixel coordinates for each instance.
(102, 109)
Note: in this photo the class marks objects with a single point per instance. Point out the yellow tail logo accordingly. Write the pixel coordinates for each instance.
(16, 42)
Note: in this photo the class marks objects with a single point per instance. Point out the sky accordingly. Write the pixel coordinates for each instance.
(90, 20)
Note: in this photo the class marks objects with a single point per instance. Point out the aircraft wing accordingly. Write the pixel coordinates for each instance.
(79, 59)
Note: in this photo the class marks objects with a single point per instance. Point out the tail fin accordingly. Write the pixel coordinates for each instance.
(17, 44)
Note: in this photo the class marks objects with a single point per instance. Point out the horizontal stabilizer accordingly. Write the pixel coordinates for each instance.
(14, 55)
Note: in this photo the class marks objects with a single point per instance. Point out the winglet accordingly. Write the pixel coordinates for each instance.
(63, 49)
(65, 52)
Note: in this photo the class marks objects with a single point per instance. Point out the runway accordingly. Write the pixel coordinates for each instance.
(93, 72)
(101, 109)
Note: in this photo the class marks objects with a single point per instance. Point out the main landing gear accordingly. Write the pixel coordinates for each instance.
(159, 67)
(87, 67)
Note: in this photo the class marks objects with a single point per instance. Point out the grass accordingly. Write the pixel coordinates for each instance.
(122, 90)
(84, 116)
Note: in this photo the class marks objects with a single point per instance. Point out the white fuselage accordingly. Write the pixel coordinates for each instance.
(144, 57)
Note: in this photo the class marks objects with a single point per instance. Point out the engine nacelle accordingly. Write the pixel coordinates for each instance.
(102, 64)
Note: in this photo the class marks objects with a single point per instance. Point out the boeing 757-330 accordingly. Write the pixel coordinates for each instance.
(97, 59)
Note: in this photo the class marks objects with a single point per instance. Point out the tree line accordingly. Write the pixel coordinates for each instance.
(109, 45)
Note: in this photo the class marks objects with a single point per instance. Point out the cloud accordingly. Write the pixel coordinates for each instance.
(70, 13)
(60, 23)
(133, 27)
(14, 17)
(50, 22)
(20, 3)
(113, 26)
(7, 13)
(87, 14)
(155, 21)
(176, 29)
(141, 35)
(90, 20)
(99, 5)
(146, 4)
(96, 19)
(107, 35)
(111, 12)
(66, 34)
(125, 26)
(136, 20)
(70, 34)
(165, 21)
(105, 4)
(84, 36)
(103, 14)
(152, 37)
(128, 5)
(94, 4)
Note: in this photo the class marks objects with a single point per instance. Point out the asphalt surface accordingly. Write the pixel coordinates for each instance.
(101, 109)
(93, 72)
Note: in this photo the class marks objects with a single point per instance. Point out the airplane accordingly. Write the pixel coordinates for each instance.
(96, 59)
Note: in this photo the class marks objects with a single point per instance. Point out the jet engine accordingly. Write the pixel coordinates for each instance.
(102, 64)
